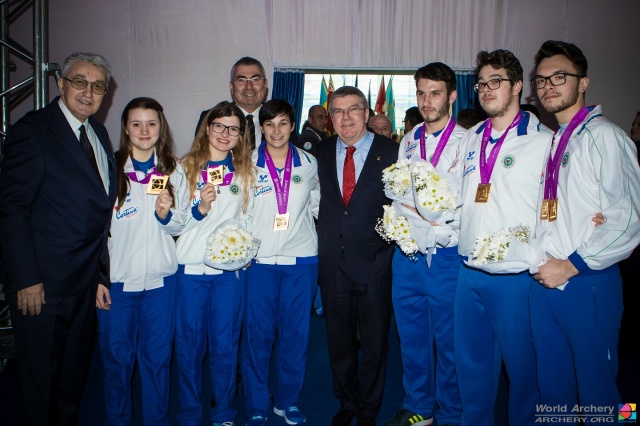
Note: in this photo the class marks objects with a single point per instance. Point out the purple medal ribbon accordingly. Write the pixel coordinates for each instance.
(486, 167)
(228, 177)
(444, 138)
(280, 187)
(554, 161)
(147, 177)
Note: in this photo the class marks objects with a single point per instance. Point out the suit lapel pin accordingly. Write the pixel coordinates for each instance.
(378, 158)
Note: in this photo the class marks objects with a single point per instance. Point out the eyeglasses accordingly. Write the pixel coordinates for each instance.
(339, 113)
(557, 79)
(252, 80)
(97, 87)
(492, 84)
(220, 128)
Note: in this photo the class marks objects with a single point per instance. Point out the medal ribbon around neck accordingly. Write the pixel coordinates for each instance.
(486, 167)
(281, 187)
(554, 161)
(444, 138)
(147, 176)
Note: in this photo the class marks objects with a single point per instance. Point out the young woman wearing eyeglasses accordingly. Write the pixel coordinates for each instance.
(210, 301)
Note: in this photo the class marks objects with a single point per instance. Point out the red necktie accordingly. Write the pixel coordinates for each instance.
(348, 175)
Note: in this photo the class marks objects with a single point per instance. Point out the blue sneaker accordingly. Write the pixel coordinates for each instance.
(292, 416)
(257, 421)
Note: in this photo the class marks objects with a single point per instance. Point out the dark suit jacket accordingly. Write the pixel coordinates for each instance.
(54, 211)
(351, 229)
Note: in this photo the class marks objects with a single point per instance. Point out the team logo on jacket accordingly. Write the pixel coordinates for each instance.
(470, 155)
(263, 190)
(508, 161)
(263, 178)
(565, 159)
(234, 189)
(296, 179)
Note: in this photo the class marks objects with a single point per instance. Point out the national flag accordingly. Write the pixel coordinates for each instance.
(330, 91)
(382, 97)
(391, 105)
(324, 98)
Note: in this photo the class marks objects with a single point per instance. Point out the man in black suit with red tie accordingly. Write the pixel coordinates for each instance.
(57, 191)
(354, 261)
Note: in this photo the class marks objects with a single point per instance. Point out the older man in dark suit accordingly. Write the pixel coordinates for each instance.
(57, 189)
(354, 262)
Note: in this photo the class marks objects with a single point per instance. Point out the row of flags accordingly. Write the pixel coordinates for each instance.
(385, 104)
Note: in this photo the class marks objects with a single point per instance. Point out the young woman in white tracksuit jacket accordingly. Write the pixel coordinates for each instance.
(282, 280)
(137, 313)
(210, 301)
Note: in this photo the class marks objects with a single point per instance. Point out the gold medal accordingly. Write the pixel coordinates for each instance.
(215, 175)
(553, 209)
(482, 195)
(156, 184)
(544, 211)
(281, 222)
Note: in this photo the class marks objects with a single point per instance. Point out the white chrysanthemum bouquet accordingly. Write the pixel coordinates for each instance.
(230, 246)
(434, 192)
(397, 181)
(505, 251)
(394, 228)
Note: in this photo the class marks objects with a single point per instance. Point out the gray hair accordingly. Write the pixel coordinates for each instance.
(90, 58)
(348, 91)
(247, 60)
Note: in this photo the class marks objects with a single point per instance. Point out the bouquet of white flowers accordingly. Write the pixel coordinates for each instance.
(505, 251)
(397, 181)
(394, 228)
(434, 192)
(230, 246)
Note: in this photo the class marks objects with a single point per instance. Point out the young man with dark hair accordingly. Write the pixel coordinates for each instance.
(502, 160)
(576, 305)
(423, 293)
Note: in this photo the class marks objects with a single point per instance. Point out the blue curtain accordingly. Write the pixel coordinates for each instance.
(288, 84)
(466, 96)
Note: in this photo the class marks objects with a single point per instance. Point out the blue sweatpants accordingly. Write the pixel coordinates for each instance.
(423, 301)
(492, 325)
(139, 326)
(278, 309)
(575, 334)
(209, 312)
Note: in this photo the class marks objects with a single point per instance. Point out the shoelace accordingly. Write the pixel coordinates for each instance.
(257, 418)
(227, 424)
(293, 408)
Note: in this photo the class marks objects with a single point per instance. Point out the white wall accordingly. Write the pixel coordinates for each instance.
(180, 52)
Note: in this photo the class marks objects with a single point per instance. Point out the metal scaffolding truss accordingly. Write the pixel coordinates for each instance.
(36, 84)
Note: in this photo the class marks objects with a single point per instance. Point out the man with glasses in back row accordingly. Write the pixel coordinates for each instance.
(249, 89)
(576, 303)
(57, 191)
(502, 161)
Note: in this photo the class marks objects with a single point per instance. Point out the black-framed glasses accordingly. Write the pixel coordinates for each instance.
(97, 87)
(220, 128)
(339, 113)
(253, 80)
(557, 79)
(492, 84)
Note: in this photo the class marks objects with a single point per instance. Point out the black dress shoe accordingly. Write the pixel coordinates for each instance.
(366, 421)
(342, 418)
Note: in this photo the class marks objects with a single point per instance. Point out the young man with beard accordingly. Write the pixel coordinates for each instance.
(423, 294)
(576, 305)
(502, 163)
